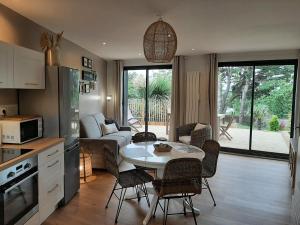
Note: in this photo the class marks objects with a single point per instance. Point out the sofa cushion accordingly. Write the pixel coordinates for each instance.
(121, 140)
(89, 128)
(125, 134)
(109, 128)
(99, 117)
(200, 126)
(185, 139)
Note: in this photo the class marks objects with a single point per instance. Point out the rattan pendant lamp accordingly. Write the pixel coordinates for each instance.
(160, 42)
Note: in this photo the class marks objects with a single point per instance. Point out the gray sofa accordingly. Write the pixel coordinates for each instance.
(93, 140)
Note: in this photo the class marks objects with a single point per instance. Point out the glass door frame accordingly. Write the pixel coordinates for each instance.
(254, 64)
(125, 89)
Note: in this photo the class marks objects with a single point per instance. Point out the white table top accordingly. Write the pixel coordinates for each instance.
(143, 154)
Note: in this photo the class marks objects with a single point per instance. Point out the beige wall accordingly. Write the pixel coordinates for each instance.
(16, 29)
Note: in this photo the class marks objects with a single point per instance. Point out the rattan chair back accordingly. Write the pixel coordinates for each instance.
(143, 137)
(111, 162)
(210, 161)
(183, 175)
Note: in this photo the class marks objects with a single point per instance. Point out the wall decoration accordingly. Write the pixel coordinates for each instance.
(51, 46)
(89, 75)
(86, 62)
(87, 88)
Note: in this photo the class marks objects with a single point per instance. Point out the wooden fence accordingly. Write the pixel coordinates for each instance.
(158, 110)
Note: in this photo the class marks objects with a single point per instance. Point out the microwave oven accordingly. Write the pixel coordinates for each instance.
(21, 129)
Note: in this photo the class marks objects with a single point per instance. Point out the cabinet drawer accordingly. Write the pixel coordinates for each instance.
(50, 194)
(52, 168)
(51, 154)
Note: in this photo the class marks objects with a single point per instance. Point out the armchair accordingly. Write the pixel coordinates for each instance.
(188, 135)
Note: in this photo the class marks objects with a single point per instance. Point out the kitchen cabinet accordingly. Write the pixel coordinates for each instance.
(6, 66)
(51, 180)
(29, 69)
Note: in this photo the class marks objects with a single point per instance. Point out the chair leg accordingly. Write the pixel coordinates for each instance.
(156, 207)
(211, 194)
(112, 192)
(183, 204)
(166, 208)
(137, 194)
(121, 199)
(192, 208)
(146, 194)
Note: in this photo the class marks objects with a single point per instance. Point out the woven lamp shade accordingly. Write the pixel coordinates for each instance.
(160, 42)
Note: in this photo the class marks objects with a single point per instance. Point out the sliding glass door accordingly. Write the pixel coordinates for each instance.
(255, 106)
(147, 99)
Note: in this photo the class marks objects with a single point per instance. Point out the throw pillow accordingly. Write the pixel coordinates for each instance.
(109, 128)
(199, 126)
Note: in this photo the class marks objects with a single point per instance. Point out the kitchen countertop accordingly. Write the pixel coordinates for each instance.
(38, 146)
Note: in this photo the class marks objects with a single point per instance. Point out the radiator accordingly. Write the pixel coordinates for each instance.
(192, 97)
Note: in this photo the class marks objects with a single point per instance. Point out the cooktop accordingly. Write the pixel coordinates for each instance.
(7, 154)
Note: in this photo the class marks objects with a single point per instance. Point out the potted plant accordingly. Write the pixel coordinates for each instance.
(51, 46)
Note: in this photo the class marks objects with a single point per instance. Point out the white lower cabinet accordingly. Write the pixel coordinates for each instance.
(51, 180)
(34, 220)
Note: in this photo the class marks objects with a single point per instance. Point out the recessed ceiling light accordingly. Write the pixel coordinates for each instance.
(140, 54)
(104, 43)
(193, 49)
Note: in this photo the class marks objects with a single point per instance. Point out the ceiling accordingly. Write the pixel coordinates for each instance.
(205, 26)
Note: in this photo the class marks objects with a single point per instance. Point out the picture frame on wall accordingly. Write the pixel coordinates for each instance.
(87, 88)
(89, 75)
(86, 62)
(90, 63)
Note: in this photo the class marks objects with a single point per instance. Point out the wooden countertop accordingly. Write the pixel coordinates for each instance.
(38, 146)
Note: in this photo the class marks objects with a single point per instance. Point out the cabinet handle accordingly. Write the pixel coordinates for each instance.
(53, 164)
(31, 84)
(53, 153)
(50, 191)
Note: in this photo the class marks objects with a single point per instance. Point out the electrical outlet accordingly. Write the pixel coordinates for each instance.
(9, 109)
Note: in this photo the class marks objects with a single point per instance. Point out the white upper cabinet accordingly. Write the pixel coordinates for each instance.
(29, 69)
(6, 66)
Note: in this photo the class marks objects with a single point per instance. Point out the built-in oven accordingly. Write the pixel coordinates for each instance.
(19, 192)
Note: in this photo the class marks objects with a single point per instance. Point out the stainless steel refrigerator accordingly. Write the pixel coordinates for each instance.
(59, 106)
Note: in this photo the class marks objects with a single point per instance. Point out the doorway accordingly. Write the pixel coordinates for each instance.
(147, 99)
(256, 106)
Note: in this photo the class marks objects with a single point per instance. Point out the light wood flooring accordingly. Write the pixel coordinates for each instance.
(248, 191)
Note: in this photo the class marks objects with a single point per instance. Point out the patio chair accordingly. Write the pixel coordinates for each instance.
(209, 163)
(134, 178)
(182, 179)
(133, 122)
(224, 129)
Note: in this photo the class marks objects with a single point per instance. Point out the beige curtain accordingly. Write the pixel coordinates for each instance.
(178, 101)
(118, 90)
(212, 95)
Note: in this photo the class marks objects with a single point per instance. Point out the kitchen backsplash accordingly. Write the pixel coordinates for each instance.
(9, 109)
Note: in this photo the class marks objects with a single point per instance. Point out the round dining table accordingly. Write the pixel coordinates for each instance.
(143, 154)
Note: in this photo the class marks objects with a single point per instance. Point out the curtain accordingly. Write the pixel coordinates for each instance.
(212, 95)
(178, 101)
(118, 90)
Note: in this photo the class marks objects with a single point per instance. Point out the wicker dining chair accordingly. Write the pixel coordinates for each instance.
(182, 178)
(209, 163)
(143, 137)
(134, 178)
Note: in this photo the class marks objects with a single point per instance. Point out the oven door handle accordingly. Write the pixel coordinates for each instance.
(20, 182)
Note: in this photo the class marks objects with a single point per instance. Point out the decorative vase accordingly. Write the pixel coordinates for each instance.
(53, 56)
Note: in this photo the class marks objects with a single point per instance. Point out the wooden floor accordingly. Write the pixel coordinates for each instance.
(248, 191)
